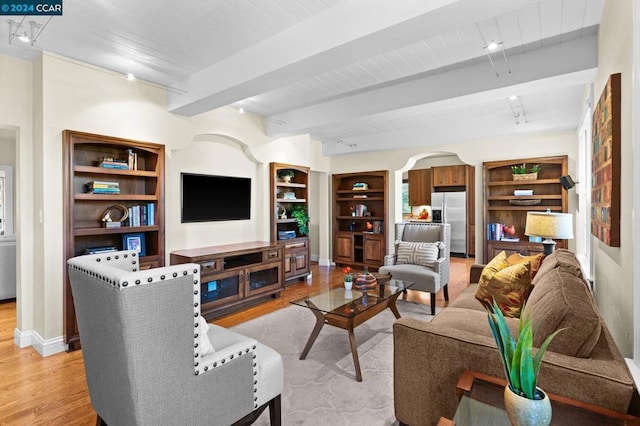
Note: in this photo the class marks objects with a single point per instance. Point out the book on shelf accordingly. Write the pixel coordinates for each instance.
(142, 215)
(495, 231)
(132, 159)
(360, 196)
(360, 186)
(102, 249)
(109, 163)
(523, 192)
(510, 239)
(101, 187)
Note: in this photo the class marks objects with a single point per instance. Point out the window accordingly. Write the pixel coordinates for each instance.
(406, 208)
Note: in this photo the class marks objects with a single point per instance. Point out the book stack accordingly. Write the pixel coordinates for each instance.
(360, 186)
(113, 163)
(103, 249)
(523, 192)
(495, 231)
(360, 196)
(142, 215)
(103, 187)
(360, 210)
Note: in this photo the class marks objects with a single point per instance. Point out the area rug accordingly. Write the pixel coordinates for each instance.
(322, 389)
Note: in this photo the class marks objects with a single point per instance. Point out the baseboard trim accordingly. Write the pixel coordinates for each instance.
(324, 262)
(24, 339)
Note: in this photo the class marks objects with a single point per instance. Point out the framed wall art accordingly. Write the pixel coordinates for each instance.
(605, 165)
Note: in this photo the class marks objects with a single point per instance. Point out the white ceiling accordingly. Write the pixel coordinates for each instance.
(357, 74)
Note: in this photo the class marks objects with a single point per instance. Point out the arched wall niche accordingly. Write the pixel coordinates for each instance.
(223, 155)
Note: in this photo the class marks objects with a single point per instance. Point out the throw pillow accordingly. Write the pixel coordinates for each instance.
(423, 254)
(206, 347)
(535, 260)
(508, 285)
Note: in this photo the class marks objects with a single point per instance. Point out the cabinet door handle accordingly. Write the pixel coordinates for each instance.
(272, 254)
(209, 265)
(292, 246)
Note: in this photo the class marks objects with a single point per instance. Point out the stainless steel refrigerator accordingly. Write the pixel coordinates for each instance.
(453, 208)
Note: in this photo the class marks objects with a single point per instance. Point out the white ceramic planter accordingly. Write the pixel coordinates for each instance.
(527, 412)
(348, 285)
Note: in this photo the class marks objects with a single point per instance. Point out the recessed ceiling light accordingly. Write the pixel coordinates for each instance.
(24, 38)
(241, 110)
(492, 46)
(513, 97)
(131, 77)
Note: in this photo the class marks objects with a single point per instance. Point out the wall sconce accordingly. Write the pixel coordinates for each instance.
(567, 182)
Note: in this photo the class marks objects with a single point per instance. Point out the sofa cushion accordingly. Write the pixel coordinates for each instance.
(560, 299)
(423, 254)
(467, 299)
(563, 259)
(508, 285)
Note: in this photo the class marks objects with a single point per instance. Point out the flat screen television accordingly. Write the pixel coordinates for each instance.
(209, 198)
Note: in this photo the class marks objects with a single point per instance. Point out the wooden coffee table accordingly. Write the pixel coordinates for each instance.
(482, 403)
(348, 309)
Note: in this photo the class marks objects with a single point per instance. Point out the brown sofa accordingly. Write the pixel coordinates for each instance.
(582, 362)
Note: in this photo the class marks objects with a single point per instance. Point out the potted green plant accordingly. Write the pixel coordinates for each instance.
(525, 403)
(299, 213)
(521, 172)
(348, 278)
(286, 175)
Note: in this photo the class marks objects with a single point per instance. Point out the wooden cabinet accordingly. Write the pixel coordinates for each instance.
(288, 196)
(503, 207)
(359, 218)
(449, 175)
(115, 188)
(459, 178)
(420, 187)
(235, 275)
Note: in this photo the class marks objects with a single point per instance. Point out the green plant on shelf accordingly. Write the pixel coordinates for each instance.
(522, 169)
(299, 213)
(286, 174)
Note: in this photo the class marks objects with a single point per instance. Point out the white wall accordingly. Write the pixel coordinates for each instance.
(72, 96)
(614, 265)
(16, 112)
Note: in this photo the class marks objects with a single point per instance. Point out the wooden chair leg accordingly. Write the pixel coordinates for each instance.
(275, 414)
(445, 290)
(433, 303)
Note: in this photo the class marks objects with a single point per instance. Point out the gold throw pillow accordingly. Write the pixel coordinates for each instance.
(508, 285)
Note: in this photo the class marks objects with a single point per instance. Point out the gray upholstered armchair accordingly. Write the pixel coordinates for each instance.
(431, 275)
(145, 355)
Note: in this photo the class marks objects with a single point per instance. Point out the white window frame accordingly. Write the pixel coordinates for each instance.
(634, 364)
(584, 241)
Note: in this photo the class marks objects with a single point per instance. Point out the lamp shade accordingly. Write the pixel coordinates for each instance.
(549, 225)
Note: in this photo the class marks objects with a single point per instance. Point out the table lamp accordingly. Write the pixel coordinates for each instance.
(549, 225)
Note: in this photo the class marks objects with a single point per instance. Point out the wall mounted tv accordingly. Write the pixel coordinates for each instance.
(208, 198)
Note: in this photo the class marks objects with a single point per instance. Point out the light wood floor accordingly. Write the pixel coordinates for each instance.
(53, 391)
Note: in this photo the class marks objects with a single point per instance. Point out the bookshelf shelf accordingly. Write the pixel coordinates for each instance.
(498, 193)
(83, 211)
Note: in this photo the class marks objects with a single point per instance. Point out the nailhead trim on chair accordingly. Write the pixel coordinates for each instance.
(198, 368)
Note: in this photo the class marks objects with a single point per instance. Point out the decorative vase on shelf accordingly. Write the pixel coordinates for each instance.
(365, 281)
(527, 412)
